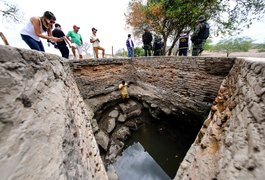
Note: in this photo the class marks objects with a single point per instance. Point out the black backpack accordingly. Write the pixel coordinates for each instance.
(205, 31)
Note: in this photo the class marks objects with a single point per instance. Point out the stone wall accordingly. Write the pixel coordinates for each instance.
(176, 84)
(45, 130)
(231, 143)
(45, 126)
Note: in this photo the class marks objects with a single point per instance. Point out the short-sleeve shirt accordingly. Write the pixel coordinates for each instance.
(123, 89)
(75, 37)
(93, 38)
(59, 33)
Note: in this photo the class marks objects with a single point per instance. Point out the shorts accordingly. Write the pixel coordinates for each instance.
(79, 48)
(124, 96)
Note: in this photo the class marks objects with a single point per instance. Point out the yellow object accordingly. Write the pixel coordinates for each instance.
(124, 90)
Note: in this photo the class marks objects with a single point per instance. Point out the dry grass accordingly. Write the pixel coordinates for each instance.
(251, 53)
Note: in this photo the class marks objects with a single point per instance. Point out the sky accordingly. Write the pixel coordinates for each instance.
(105, 15)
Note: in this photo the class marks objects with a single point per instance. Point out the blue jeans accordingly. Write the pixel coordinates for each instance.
(130, 52)
(32, 43)
(183, 52)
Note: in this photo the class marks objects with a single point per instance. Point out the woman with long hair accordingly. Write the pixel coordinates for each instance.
(35, 29)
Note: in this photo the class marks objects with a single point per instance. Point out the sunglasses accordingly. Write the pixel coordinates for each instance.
(50, 21)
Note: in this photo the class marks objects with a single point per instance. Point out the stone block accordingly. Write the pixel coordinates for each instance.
(102, 139)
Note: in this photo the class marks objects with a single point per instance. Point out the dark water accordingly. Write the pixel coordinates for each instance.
(167, 140)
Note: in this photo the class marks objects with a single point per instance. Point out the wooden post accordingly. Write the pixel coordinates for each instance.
(4, 39)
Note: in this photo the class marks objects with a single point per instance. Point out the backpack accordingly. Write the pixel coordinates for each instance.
(205, 31)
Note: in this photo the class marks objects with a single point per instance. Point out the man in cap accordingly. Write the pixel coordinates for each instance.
(95, 43)
(200, 35)
(76, 40)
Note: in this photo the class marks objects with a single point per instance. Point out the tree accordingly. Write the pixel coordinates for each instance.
(86, 48)
(152, 15)
(239, 44)
(11, 12)
(169, 17)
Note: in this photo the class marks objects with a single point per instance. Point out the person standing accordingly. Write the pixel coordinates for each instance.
(183, 44)
(199, 36)
(130, 46)
(147, 39)
(76, 40)
(95, 43)
(35, 29)
(57, 32)
(123, 88)
(157, 46)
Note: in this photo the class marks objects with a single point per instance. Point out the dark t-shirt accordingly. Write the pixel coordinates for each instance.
(147, 37)
(183, 42)
(59, 33)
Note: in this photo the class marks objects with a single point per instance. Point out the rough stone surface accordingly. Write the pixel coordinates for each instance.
(115, 148)
(122, 118)
(45, 129)
(121, 133)
(108, 124)
(114, 114)
(102, 139)
(231, 143)
(173, 84)
(134, 113)
(111, 172)
(128, 107)
(94, 125)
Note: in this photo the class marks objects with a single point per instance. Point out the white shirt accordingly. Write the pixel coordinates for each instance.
(130, 41)
(29, 30)
(93, 37)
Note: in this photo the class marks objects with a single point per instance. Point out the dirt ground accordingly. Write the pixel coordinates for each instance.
(251, 53)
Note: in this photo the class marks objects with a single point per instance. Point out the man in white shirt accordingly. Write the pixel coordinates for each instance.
(130, 46)
(95, 43)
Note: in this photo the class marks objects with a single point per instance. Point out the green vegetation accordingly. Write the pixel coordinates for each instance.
(168, 18)
(241, 44)
(209, 45)
(122, 53)
(138, 51)
(260, 47)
